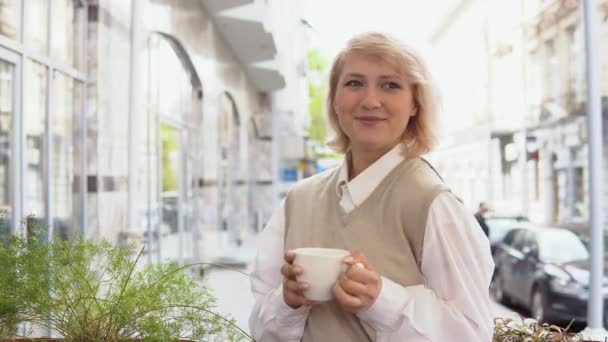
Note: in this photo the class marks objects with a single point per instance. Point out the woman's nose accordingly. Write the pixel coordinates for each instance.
(370, 100)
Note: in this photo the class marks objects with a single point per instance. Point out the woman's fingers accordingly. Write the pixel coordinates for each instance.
(291, 271)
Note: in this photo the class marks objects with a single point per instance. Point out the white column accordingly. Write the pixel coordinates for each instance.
(134, 114)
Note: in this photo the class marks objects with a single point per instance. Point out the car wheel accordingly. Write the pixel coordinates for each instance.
(537, 306)
(497, 289)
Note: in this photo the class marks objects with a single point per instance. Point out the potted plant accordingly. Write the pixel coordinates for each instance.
(530, 330)
(89, 291)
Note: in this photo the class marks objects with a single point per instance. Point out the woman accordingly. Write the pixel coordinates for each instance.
(427, 265)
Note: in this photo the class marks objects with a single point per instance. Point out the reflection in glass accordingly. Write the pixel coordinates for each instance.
(36, 25)
(228, 163)
(170, 180)
(34, 110)
(7, 74)
(174, 87)
(10, 11)
(65, 123)
(67, 31)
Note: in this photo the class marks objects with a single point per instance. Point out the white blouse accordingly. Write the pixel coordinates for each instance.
(452, 305)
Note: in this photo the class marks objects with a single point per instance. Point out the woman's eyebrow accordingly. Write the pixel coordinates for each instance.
(387, 76)
(354, 74)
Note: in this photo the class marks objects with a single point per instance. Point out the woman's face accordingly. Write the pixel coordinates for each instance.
(374, 103)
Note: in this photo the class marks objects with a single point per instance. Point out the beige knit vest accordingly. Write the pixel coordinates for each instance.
(388, 227)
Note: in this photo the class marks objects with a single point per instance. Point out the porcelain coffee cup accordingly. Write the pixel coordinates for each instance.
(321, 268)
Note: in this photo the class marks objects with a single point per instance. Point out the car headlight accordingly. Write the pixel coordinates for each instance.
(569, 286)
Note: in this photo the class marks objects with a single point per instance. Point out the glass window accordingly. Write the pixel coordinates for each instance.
(519, 240)
(36, 25)
(34, 110)
(561, 246)
(65, 120)
(67, 31)
(7, 80)
(508, 240)
(170, 169)
(10, 18)
(173, 80)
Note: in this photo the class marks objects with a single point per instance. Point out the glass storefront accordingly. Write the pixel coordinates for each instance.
(40, 156)
(10, 15)
(229, 198)
(170, 176)
(66, 25)
(165, 180)
(36, 34)
(64, 161)
(7, 82)
(34, 126)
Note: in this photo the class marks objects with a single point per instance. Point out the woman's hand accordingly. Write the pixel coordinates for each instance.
(358, 287)
(293, 291)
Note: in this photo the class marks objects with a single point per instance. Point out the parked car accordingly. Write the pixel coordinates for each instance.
(582, 230)
(547, 271)
(500, 225)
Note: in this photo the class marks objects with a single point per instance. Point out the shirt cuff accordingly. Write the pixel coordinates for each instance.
(286, 315)
(386, 314)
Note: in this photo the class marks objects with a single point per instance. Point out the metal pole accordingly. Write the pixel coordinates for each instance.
(83, 121)
(525, 203)
(276, 164)
(134, 117)
(595, 328)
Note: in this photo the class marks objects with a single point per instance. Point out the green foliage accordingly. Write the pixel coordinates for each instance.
(316, 61)
(169, 147)
(88, 291)
(317, 88)
(509, 330)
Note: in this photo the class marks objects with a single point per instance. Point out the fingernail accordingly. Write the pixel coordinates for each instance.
(349, 259)
(297, 270)
(304, 286)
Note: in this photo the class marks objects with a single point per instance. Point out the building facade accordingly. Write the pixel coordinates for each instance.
(462, 157)
(533, 127)
(142, 120)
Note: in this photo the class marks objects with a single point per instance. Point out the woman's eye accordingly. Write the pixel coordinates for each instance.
(353, 83)
(392, 85)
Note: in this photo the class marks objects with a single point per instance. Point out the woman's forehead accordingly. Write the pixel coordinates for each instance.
(355, 61)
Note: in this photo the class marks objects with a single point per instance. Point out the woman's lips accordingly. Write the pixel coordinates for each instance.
(370, 120)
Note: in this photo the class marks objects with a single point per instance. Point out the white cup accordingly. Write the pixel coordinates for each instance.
(321, 268)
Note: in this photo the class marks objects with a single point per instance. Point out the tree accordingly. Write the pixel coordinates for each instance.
(317, 88)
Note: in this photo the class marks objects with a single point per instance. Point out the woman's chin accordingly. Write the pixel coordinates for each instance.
(371, 145)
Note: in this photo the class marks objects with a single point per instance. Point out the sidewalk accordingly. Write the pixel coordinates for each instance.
(231, 288)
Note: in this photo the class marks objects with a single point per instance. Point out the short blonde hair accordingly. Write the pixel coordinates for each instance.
(420, 135)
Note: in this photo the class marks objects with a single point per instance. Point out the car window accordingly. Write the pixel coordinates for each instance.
(508, 240)
(585, 239)
(519, 240)
(529, 242)
(561, 246)
(499, 227)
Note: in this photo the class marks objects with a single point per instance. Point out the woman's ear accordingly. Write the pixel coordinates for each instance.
(414, 111)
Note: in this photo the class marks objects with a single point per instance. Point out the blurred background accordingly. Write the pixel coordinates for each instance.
(180, 124)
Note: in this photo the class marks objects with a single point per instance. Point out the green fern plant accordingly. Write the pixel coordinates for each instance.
(87, 291)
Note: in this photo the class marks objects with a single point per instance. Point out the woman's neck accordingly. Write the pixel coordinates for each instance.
(361, 159)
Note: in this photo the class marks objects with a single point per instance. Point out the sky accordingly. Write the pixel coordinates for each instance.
(335, 21)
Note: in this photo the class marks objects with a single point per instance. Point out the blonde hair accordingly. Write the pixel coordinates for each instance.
(419, 137)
